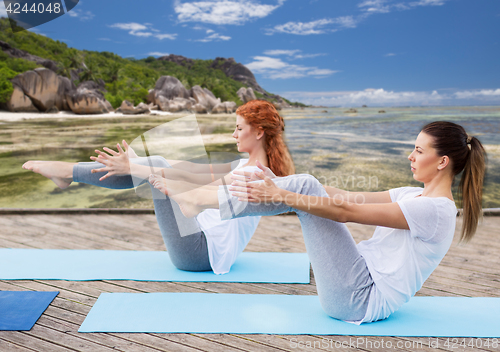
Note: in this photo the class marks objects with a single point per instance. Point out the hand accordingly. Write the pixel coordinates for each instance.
(256, 192)
(115, 163)
(249, 176)
(130, 152)
(159, 183)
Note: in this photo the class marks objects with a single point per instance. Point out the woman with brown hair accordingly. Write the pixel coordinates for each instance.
(415, 226)
(205, 242)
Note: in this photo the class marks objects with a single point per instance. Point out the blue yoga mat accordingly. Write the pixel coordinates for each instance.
(19, 310)
(77, 265)
(285, 314)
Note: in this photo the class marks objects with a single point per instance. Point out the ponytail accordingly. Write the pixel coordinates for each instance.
(470, 189)
(467, 156)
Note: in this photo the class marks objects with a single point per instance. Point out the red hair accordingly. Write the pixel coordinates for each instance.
(263, 114)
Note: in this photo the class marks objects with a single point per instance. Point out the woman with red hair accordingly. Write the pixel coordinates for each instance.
(205, 242)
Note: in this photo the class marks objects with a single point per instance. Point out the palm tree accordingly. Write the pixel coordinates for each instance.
(113, 71)
(72, 61)
(90, 71)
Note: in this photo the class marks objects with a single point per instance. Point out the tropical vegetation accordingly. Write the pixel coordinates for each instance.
(124, 78)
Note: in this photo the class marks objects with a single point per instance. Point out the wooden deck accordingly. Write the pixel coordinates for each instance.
(472, 270)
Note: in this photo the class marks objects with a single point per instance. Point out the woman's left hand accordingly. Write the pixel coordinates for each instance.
(256, 192)
(115, 163)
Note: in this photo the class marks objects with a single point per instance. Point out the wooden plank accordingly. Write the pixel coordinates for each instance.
(6, 346)
(66, 340)
(465, 271)
(32, 342)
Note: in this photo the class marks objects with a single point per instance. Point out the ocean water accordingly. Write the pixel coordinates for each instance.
(362, 151)
(368, 150)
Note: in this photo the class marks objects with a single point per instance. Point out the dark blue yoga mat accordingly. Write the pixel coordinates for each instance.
(285, 314)
(19, 310)
(79, 265)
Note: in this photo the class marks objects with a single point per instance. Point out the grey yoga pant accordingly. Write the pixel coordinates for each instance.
(186, 252)
(342, 278)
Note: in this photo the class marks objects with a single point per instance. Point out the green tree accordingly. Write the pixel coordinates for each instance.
(90, 72)
(6, 88)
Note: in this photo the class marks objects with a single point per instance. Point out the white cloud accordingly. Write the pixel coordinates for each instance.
(212, 37)
(275, 68)
(142, 30)
(382, 97)
(294, 54)
(82, 15)
(428, 3)
(315, 27)
(346, 21)
(375, 6)
(104, 39)
(389, 54)
(223, 12)
(132, 27)
(383, 6)
(281, 52)
(308, 56)
(166, 36)
(301, 28)
(142, 34)
(483, 93)
(156, 53)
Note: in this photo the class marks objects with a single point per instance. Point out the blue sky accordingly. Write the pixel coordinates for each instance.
(324, 52)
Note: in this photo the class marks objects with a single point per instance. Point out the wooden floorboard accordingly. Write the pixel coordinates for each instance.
(471, 270)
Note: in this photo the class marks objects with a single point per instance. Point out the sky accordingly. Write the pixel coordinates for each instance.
(321, 52)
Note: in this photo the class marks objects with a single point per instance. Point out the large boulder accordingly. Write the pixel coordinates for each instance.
(87, 101)
(151, 97)
(41, 89)
(65, 87)
(185, 104)
(230, 106)
(246, 94)
(199, 109)
(204, 97)
(19, 102)
(162, 103)
(41, 86)
(227, 107)
(170, 88)
(127, 108)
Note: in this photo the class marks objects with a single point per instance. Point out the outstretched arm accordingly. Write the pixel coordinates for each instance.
(118, 163)
(359, 197)
(341, 210)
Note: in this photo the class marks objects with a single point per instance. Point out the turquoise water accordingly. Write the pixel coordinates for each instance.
(363, 151)
(368, 150)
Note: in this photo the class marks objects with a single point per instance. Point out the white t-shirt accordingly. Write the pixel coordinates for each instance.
(400, 261)
(226, 239)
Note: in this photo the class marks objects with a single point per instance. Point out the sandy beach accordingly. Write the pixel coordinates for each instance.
(20, 116)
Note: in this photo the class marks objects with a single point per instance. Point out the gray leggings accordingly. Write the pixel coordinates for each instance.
(186, 252)
(342, 279)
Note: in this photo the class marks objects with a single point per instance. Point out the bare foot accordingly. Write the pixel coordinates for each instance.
(61, 173)
(183, 193)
